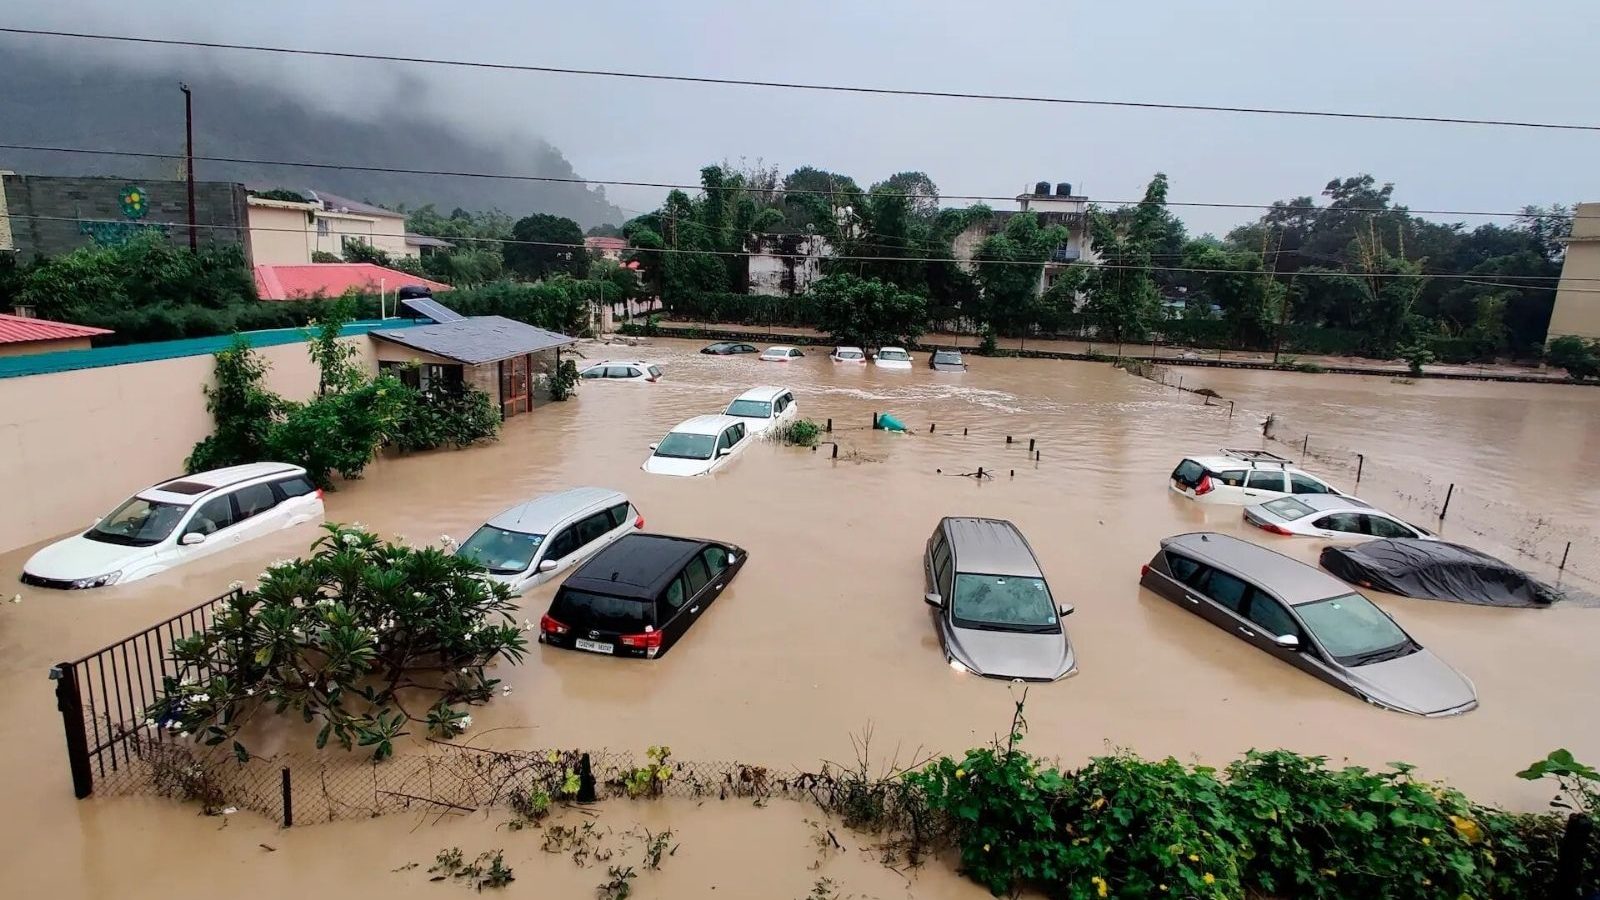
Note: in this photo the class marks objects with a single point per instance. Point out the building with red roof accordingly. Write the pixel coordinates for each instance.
(20, 335)
(606, 247)
(302, 282)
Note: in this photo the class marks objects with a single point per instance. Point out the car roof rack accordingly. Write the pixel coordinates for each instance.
(1257, 456)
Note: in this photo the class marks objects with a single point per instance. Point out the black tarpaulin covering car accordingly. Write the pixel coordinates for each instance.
(1435, 570)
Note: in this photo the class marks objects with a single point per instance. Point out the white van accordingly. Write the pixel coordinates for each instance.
(534, 542)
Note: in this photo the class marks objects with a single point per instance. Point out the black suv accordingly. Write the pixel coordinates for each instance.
(639, 595)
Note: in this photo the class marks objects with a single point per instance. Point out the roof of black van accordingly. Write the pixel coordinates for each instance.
(637, 566)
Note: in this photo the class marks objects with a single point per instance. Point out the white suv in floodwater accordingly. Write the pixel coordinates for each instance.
(763, 407)
(1244, 478)
(534, 542)
(177, 521)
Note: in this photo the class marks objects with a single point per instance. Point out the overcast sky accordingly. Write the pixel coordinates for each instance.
(1476, 58)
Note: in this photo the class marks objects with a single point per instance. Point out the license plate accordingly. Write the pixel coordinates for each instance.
(593, 646)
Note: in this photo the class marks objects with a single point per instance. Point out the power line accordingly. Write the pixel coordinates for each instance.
(1447, 276)
(554, 179)
(806, 86)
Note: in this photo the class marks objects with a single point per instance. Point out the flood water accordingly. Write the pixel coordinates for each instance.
(824, 633)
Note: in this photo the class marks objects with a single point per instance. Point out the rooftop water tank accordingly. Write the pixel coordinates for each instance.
(1042, 188)
(1063, 189)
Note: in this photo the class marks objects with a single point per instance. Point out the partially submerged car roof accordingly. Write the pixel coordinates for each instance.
(638, 566)
(705, 424)
(766, 393)
(1292, 581)
(187, 489)
(990, 547)
(539, 515)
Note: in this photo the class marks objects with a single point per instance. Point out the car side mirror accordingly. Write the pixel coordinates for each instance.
(933, 600)
(1066, 609)
(192, 538)
(1287, 641)
(547, 565)
(725, 451)
(653, 447)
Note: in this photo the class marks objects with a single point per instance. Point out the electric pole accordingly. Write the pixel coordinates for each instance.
(188, 161)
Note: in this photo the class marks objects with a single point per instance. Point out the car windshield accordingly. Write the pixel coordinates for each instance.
(1004, 603)
(602, 612)
(1353, 630)
(945, 356)
(501, 552)
(138, 523)
(893, 355)
(750, 409)
(848, 354)
(1288, 508)
(678, 445)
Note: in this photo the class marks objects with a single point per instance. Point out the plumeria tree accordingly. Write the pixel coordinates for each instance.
(363, 636)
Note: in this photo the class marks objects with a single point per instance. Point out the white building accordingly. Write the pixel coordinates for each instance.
(1059, 207)
(284, 232)
(784, 265)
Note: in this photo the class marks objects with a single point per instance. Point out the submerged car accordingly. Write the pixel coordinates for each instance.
(780, 354)
(728, 348)
(947, 361)
(892, 358)
(1243, 477)
(994, 612)
(1308, 619)
(633, 370)
(852, 355)
(534, 542)
(178, 521)
(1329, 516)
(697, 446)
(1435, 570)
(763, 407)
(638, 596)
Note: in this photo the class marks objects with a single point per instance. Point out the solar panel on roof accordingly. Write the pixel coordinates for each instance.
(185, 487)
(431, 309)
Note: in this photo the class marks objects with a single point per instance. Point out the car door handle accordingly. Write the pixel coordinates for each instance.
(1247, 632)
(693, 610)
(719, 587)
(1191, 599)
(1251, 494)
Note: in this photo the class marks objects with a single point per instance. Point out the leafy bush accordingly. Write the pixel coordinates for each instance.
(337, 637)
(1416, 356)
(1580, 358)
(800, 432)
(323, 256)
(744, 309)
(339, 432)
(557, 304)
(444, 415)
(564, 380)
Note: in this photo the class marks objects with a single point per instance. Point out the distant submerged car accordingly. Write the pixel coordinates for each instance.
(728, 348)
(853, 355)
(947, 361)
(892, 358)
(780, 354)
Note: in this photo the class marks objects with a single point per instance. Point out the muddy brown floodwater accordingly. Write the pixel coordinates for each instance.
(824, 633)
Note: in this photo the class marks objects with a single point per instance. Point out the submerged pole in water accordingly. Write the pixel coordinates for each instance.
(1008, 438)
(1361, 462)
(980, 471)
(1563, 566)
(1036, 456)
(1230, 409)
(932, 426)
(288, 800)
(1030, 443)
(1305, 446)
(830, 426)
(1447, 495)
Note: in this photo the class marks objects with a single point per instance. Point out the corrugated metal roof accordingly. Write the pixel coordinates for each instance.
(477, 340)
(20, 329)
(293, 282)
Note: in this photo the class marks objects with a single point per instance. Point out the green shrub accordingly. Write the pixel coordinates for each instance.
(443, 416)
(1580, 358)
(1416, 356)
(564, 380)
(339, 432)
(323, 256)
(800, 432)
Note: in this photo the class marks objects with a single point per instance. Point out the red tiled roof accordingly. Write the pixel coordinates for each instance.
(605, 243)
(332, 279)
(18, 330)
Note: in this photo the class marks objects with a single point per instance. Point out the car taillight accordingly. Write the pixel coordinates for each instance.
(638, 521)
(1144, 570)
(650, 378)
(1205, 486)
(1276, 529)
(551, 626)
(319, 493)
(650, 640)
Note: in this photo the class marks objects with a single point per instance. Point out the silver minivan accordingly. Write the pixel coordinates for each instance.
(1308, 619)
(534, 542)
(993, 610)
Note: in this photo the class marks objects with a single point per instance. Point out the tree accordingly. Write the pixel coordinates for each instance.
(606, 230)
(1123, 299)
(1236, 281)
(866, 311)
(1580, 358)
(357, 250)
(1010, 270)
(545, 245)
(919, 191)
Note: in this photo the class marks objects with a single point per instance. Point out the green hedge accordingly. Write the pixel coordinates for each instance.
(743, 309)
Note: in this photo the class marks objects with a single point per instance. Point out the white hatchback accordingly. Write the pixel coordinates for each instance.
(892, 358)
(177, 521)
(632, 370)
(852, 355)
(534, 542)
(697, 446)
(1330, 516)
(781, 354)
(1244, 478)
(763, 407)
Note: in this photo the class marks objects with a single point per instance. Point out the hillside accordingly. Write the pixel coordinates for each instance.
(50, 100)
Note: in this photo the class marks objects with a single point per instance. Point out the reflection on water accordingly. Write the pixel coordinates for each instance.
(825, 632)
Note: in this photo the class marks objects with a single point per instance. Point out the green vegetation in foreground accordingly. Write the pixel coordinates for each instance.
(800, 433)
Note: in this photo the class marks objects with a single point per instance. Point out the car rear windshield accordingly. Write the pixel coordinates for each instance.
(1288, 508)
(678, 445)
(582, 610)
(655, 371)
(501, 552)
(1189, 472)
(848, 354)
(750, 409)
(138, 523)
(1004, 603)
(893, 355)
(945, 356)
(1353, 630)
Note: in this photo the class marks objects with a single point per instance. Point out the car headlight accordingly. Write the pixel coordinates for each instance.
(97, 581)
(957, 665)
